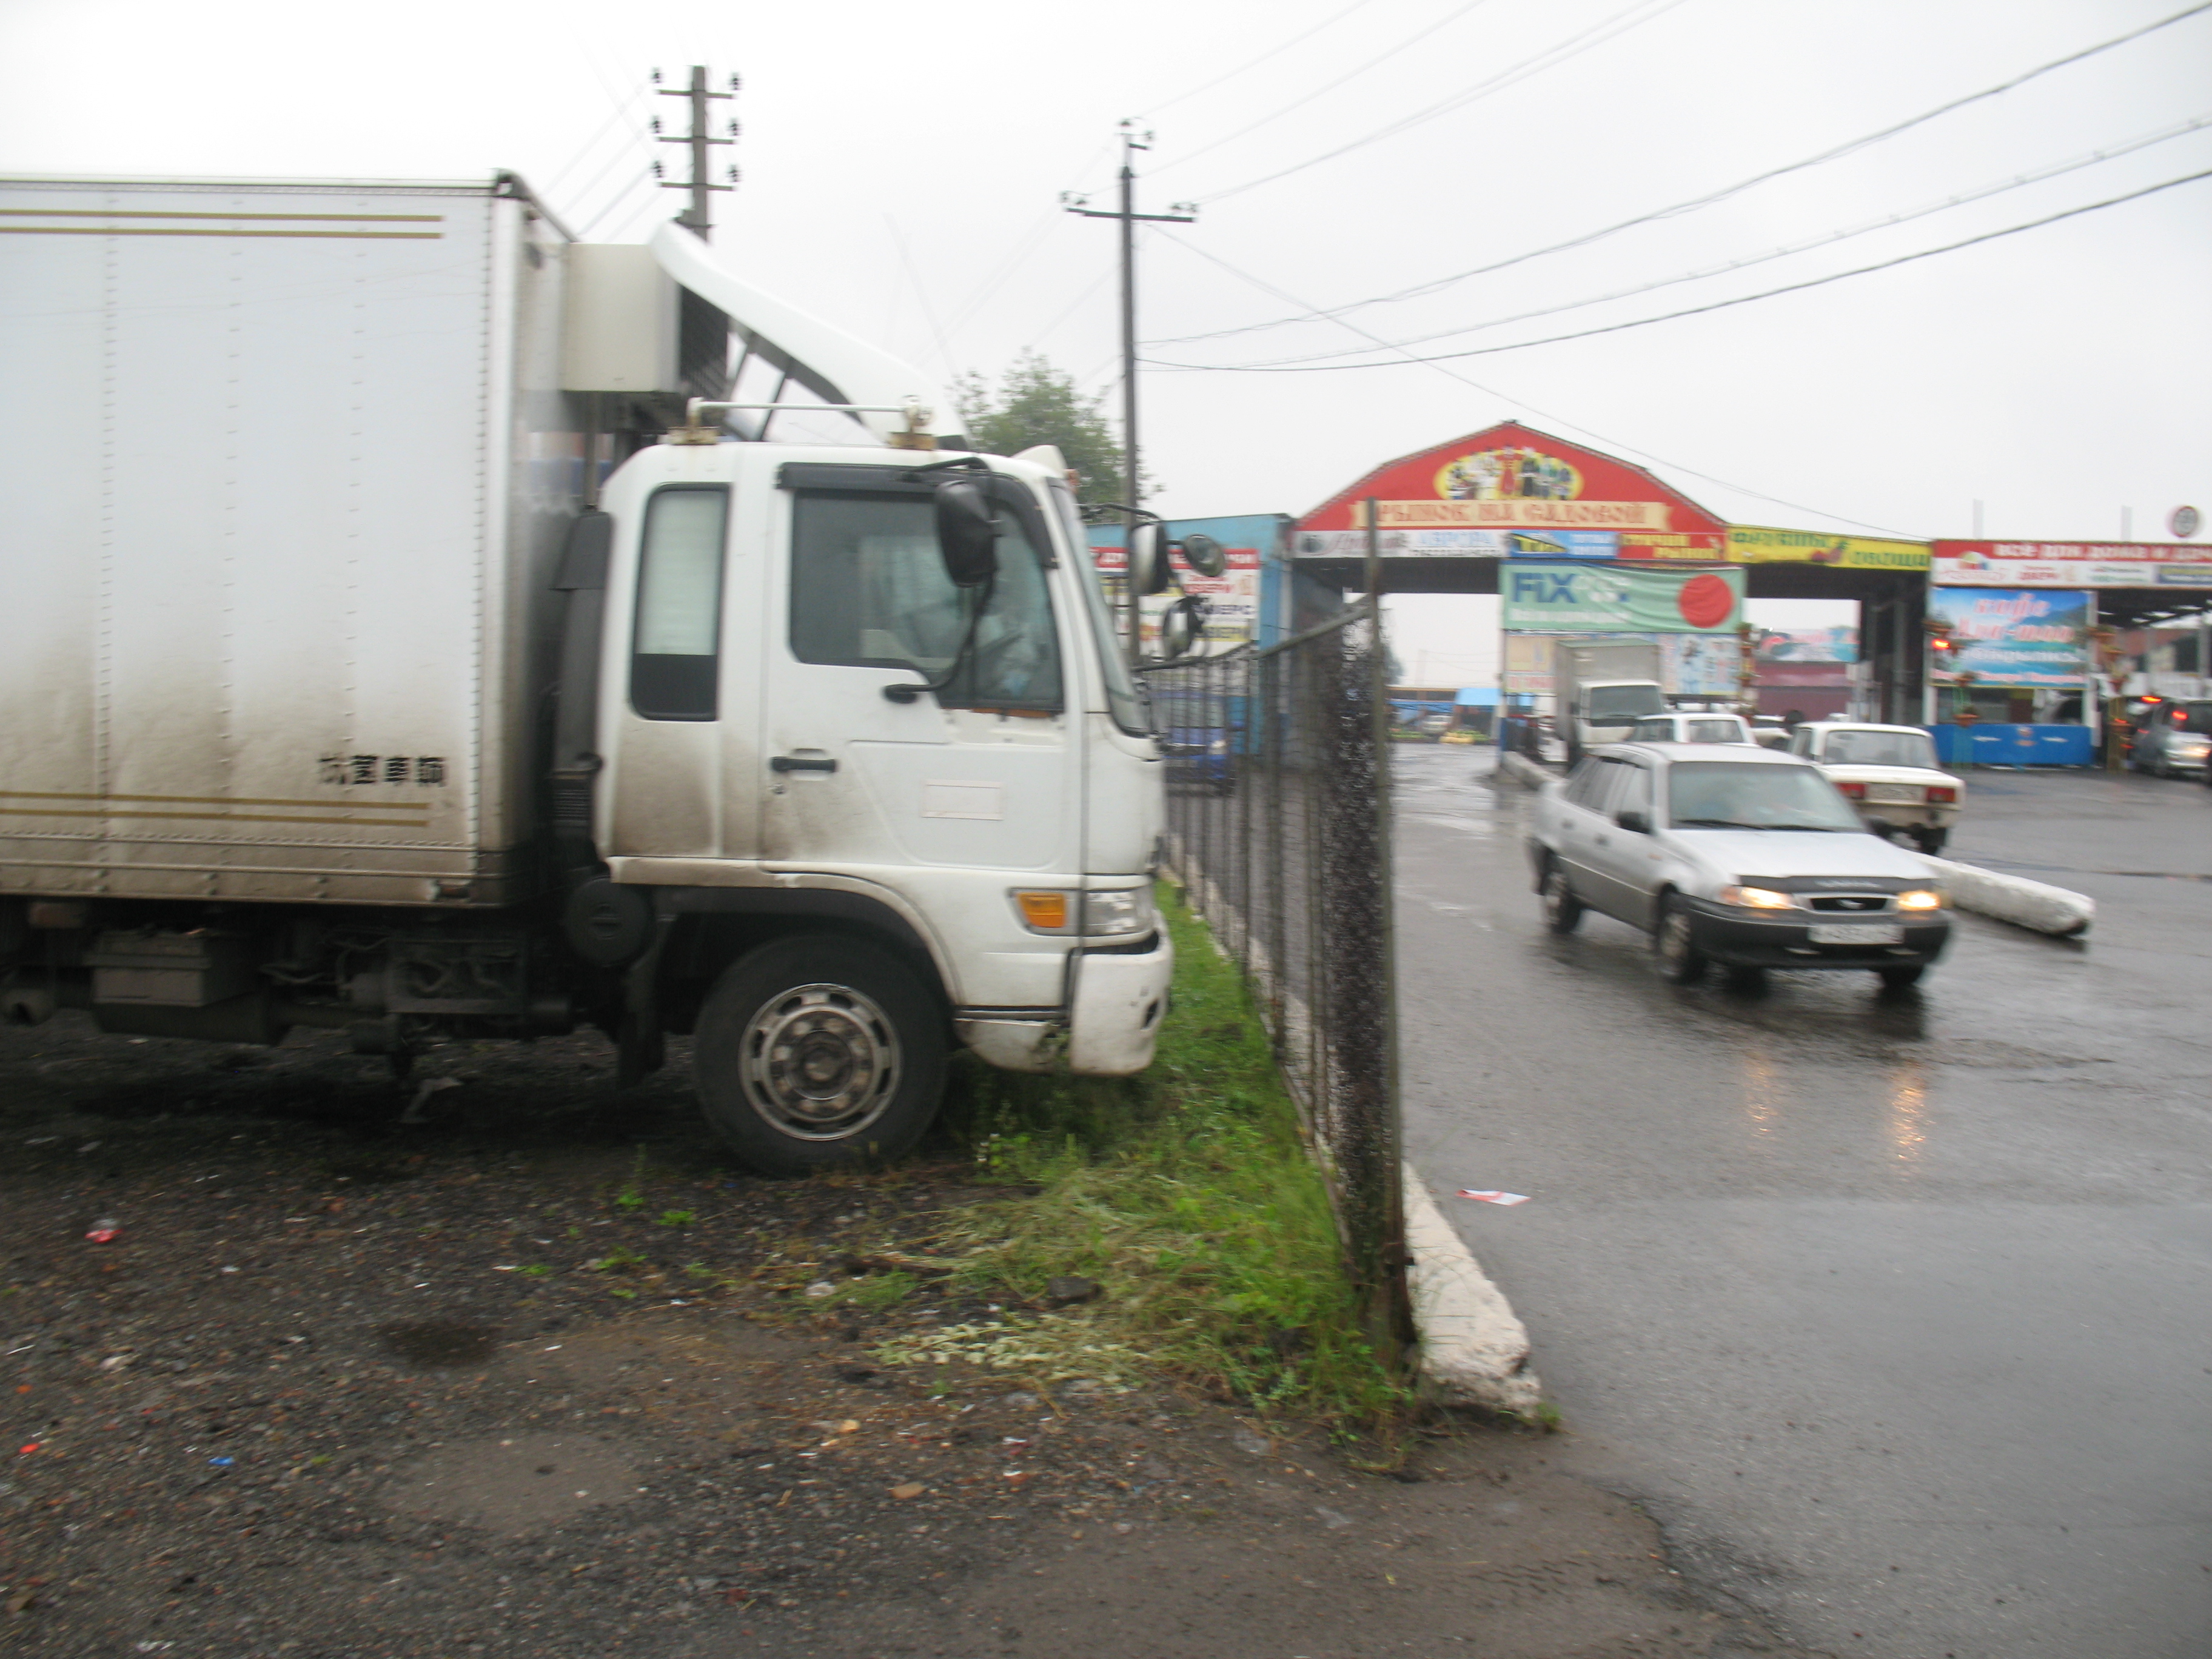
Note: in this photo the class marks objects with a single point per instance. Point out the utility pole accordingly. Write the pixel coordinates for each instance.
(697, 218)
(1181, 213)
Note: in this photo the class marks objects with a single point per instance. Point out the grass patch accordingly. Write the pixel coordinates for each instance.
(1186, 1194)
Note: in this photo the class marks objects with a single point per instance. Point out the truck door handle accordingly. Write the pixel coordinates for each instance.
(801, 763)
(1602, 842)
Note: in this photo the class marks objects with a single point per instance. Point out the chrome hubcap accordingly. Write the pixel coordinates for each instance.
(821, 1062)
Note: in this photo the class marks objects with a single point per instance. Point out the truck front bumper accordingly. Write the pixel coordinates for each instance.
(1121, 995)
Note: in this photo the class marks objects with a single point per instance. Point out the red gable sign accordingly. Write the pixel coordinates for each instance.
(1511, 490)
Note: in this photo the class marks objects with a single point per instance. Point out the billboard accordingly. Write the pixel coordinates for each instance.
(1580, 598)
(1754, 543)
(1508, 491)
(2072, 565)
(2018, 637)
(1820, 645)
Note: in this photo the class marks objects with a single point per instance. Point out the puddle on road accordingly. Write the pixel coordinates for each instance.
(1450, 791)
(440, 1343)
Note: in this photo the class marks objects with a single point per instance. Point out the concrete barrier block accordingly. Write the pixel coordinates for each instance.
(2016, 899)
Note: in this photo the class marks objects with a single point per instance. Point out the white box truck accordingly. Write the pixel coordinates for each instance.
(395, 641)
(1605, 686)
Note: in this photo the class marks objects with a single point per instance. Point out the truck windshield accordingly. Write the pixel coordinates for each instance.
(1122, 700)
(1617, 705)
(1734, 795)
(1878, 749)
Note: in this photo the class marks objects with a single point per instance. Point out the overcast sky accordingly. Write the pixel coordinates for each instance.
(901, 167)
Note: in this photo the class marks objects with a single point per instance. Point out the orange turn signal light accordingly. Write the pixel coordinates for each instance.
(1047, 912)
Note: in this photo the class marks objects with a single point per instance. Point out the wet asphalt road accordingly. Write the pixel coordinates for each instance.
(1895, 1311)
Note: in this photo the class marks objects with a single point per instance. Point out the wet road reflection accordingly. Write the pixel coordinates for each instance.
(1965, 1229)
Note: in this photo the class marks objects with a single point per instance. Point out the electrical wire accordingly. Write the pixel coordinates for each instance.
(615, 201)
(589, 145)
(1301, 102)
(1695, 311)
(1983, 193)
(1271, 51)
(1711, 198)
(1596, 35)
(1599, 438)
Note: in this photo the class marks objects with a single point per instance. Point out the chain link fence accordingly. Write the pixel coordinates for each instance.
(1279, 828)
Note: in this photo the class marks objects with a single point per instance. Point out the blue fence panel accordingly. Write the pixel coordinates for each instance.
(1994, 745)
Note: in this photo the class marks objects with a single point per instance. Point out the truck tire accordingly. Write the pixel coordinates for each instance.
(1930, 839)
(819, 1052)
(1680, 962)
(1562, 911)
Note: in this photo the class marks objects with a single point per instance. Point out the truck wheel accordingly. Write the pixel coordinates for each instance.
(819, 1052)
(1930, 841)
(1896, 978)
(1679, 960)
(1562, 911)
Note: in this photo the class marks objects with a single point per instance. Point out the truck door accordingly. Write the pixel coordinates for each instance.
(974, 774)
(682, 731)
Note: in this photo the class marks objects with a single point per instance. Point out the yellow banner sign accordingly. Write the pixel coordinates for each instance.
(1517, 512)
(1758, 544)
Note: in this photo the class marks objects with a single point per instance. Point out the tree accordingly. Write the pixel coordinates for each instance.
(1037, 403)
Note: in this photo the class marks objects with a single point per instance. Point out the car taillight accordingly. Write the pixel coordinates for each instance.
(1937, 794)
(1856, 791)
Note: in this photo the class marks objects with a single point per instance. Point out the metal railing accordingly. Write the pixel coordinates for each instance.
(1278, 829)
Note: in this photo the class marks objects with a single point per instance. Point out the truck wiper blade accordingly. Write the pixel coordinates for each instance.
(1716, 824)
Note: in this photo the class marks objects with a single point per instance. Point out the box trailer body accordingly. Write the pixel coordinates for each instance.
(278, 602)
(357, 671)
(1604, 686)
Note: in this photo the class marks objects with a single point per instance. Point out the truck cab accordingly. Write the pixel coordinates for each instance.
(829, 772)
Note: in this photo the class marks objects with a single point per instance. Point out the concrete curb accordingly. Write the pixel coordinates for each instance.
(2017, 900)
(1524, 771)
(1474, 1351)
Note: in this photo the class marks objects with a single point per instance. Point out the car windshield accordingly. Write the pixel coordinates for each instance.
(1728, 795)
(1878, 749)
(1614, 705)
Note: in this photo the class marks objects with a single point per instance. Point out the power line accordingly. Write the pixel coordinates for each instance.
(1298, 103)
(1556, 420)
(646, 177)
(1983, 193)
(1596, 35)
(1694, 203)
(1694, 311)
(1271, 51)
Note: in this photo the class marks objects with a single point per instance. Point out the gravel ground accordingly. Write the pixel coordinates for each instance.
(541, 1375)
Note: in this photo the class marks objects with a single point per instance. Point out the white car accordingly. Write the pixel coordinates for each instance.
(1889, 772)
(1689, 728)
(1731, 854)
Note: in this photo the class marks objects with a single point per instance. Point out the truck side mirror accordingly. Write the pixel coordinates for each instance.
(1179, 626)
(1203, 555)
(1148, 558)
(1636, 822)
(967, 533)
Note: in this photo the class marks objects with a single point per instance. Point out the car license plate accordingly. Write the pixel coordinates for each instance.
(1857, 933)
(1897, 794)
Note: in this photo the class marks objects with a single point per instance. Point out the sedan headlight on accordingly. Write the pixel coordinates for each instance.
(1920, 899)
(1756, 898)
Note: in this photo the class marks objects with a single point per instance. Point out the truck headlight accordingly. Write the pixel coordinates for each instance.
(1756, 898)
(1920, 899)
(1124, 910)
(1052, 910)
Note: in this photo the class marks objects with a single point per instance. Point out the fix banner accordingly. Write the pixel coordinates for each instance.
(1570, 598)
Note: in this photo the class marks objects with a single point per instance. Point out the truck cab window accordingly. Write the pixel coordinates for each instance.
(868, 590)
(674, 665)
